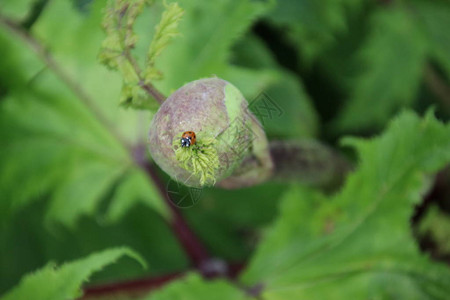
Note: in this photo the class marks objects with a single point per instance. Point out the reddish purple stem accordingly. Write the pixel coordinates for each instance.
(188, 240)
(192, 246)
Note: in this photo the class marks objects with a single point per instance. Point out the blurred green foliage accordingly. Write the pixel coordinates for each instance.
(194, 287)
(69, 184)
(436, 226)
(67, 279)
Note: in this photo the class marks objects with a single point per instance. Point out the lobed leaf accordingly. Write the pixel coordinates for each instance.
(358, 244)
(64, 282)
(26, 245)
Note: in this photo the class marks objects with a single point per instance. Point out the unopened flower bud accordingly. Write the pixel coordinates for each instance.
(203, 131)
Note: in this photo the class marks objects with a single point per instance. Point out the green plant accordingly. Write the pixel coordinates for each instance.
(301, 220)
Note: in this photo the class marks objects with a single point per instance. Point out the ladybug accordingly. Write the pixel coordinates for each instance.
(187, 139)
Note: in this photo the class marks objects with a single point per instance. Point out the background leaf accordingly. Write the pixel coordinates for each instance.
(70, 184)
(192, 286)
(58, 144)
(64, 282)
(207, 34)
(16, 9)
(26, 245)
(297, 118)
(135, 187)
(436, 225)
(311, 25)
(376, 95)
(358, 243)
(435, 17)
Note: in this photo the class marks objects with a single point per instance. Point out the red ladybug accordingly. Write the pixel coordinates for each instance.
(187, 139)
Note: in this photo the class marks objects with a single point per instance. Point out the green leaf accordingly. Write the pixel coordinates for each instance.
(57, 122)
(26, 245)
(296, 116)
(250, 82)
(135, 188)
(208, 31)
(435, 18)
(311, 25)
(70, 201)
(192, 286)
(64, 282)
(17, 9)
(393, 57)
(358, 243)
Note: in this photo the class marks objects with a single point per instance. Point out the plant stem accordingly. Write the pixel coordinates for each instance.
(148, 87)
(309, 162)
(138, 287)
(191, 244)
(142, 286)
(152, 91)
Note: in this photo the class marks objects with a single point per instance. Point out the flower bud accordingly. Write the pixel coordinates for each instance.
(217, 113)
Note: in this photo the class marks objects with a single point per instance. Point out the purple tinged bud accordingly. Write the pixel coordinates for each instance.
(225, 133)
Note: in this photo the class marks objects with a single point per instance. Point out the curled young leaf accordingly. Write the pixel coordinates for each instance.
(164, 32)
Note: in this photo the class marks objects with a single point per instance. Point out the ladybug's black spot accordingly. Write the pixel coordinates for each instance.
(185, 142)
